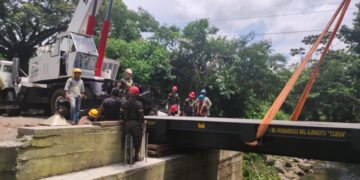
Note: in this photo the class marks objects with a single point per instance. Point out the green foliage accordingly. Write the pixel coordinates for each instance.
(167, 36)
(149, 61)
(234, 71)
(26, 24)
(127, 24)
(335, 94)
(255, 168)
(351, 35)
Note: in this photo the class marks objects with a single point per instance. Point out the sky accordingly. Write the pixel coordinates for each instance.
(236, 18)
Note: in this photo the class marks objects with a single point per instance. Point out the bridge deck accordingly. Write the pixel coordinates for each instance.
(317, 140)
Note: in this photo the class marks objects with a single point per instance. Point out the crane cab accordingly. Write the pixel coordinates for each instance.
(5, 74)
(70, 50)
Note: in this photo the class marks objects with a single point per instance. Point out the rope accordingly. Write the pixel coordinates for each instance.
(269, 116)
(307, 89)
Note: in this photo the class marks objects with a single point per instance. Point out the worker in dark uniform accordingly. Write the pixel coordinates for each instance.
(173, 99)
(133, 114)
(110, 107)
(189, 105)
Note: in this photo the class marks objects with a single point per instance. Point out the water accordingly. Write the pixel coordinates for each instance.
(324, 170)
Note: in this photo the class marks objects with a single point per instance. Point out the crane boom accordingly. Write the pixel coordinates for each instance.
(83, 11)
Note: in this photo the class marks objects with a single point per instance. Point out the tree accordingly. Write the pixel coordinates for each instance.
(127, 24)
(351, 36)
(27, 24)
(335, 95)
(150, 61)
(234, 71)
(192, 54)
(167, 36)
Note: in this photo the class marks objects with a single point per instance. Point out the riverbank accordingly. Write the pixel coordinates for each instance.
(290, 168)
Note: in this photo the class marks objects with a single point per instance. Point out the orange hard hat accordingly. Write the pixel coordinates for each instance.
(134, 90)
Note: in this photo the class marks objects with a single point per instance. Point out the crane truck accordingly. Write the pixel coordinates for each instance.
(48, 72)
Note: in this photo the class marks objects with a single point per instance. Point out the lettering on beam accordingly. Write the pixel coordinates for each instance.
(307, 132)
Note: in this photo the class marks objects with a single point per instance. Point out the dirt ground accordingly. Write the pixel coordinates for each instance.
(9, 125)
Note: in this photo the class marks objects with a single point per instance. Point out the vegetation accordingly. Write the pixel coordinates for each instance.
(27, 24)
(254, 167)
(242, 76)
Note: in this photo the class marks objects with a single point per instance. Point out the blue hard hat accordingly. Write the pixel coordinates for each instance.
(201, 97)
(203, 91)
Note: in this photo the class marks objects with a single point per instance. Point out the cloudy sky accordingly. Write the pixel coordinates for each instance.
(267, 18)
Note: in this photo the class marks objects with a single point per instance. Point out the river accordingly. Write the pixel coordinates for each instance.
(324, 170)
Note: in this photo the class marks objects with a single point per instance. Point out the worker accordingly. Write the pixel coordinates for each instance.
(189, 103)
(133, 115)
(123, 87)
(202, 106)
(173, 110)
(74, 92)
(110, 107)
(172, 99)
(127, 78)
(92, 114)
(207, 102)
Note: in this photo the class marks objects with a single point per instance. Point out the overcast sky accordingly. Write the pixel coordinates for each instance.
(236, 18)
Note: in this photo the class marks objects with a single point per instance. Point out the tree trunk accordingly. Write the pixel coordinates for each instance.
(24, 53)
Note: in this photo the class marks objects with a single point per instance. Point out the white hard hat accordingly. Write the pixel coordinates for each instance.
(128, 71)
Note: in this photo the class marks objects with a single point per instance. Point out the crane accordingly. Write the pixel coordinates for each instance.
(74, 48)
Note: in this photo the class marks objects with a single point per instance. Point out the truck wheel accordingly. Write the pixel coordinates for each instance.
(57, 95)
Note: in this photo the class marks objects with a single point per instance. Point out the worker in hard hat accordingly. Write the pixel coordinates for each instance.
(172, 99)
(189, 105)
(110, 107)
(89, 118)
(203, 104)
(133, 115)
(173, 110)
(74, 92)
(128, 78)
(207, 103)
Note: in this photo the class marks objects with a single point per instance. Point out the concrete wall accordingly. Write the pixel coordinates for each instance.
(205, 165)
(8, 154)
(49, 151)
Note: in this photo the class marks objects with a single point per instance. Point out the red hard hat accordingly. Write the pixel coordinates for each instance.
(174, 89)
(134, 90)
(173, 109)
(192, 94)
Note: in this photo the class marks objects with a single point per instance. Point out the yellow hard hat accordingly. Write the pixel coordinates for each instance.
(93, 113)
(76, 70)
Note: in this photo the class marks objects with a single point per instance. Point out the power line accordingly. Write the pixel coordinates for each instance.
(276, 15)
(264, 16)
(288, 32)
(280, 33)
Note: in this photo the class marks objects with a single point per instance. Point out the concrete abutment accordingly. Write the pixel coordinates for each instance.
(94, 152)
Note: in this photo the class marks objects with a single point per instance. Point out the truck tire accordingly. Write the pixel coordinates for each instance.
(58, 94)
(24, 106)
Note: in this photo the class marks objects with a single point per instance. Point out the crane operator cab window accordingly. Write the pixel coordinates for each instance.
(55, 48)
(66, 47)
(87, 54)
